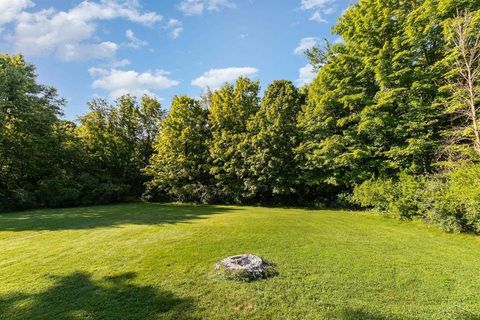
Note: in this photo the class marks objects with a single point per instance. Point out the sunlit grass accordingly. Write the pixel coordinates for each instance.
(152, 261)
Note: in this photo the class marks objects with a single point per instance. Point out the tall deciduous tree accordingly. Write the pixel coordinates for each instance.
(151, 116)
(272, 138)
(231, 108)
(372, 110)
(29, 144)
(179, 166)
(464, 86)
(117, 141)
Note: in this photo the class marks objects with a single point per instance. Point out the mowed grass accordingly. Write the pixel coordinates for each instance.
(155, 261)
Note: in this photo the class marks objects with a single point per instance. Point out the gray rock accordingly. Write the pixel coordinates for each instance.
(246, 267)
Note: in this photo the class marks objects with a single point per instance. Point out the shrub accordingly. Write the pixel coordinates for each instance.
(455, 203)
(450, 200)
(110, 192)
(21, 198)
(96, 191)
(59, 192)
(401, 198)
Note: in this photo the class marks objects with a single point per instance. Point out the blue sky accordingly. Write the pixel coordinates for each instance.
(109, 47)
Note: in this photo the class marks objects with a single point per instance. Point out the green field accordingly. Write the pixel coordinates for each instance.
(154, 261)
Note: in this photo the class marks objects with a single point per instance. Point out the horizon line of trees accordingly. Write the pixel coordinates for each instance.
(393, 112)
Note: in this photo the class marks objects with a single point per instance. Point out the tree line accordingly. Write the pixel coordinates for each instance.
(46, 161)
(390, 122)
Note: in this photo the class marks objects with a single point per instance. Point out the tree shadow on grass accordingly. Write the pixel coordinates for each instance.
(363, 314)
(469, 316)
(78, 296)
(106, 216)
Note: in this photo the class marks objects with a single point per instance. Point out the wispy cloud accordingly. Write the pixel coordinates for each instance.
(305, 44)
(196, 7)
(317, 17)
(316, 4)
(320, 8)
(119, 63)
(175, 27)
(82, 52)
(133, 41)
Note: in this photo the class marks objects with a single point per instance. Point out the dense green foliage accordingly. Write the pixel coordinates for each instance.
(46, 161)
(179, 167)
(31, 134)
(400, 197)
(393, 112)
(272, 137)
(156, 261)
(450, 200)
(117, 143)
(445, 190)
(372, 111)
(230, 110)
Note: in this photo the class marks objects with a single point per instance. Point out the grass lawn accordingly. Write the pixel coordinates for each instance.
(154, 261)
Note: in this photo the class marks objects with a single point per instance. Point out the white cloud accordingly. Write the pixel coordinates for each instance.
(71, 52)
(216, 5)
(175, 33)
(134, 42)
(317, 17)
(321, 7)
(55, 32)
(305, 44)
(330, 10)
(98, 72)
(120, 82)
(315, 4)
(130, 34)
(11, 8)
(175, 27)
(195, 7)
(191, 7)
(119, 63)
(215, 78)
(306, 75)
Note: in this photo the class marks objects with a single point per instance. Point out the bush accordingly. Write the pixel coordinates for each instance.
(58, 192)
(21, 199)
(109, 192)
(95, 191)
(401, 198)
(450, 200)
(455, 204)
(190, 193)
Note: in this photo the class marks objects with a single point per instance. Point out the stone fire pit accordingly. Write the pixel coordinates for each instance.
(246, 267)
